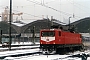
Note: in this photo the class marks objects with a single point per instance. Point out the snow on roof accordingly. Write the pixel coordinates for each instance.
(18, 24)
(22, 23)
(59, 22)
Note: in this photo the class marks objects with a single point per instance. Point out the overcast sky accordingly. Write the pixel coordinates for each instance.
(59, 9)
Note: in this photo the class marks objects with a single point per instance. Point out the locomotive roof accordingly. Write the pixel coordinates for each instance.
(51, 29)
(57, 30)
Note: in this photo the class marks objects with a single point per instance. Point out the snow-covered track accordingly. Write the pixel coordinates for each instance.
(17, 53)
(19, 48)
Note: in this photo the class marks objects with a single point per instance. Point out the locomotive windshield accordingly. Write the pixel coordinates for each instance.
(48, 33)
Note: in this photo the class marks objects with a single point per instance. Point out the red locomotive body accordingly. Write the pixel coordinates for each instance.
(56, 39)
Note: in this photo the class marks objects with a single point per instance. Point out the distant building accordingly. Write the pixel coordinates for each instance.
(6, 13)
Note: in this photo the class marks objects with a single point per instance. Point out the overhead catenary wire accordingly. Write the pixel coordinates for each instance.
(35, 2)
(28, 14)
(65, 13)
(43, 4)
(49, 7)
(75, 4)
(49, 2)
(82, 5)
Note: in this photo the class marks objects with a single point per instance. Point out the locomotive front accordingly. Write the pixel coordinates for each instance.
(47, 39)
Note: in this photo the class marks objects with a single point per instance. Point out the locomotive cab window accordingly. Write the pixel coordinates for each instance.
(48, 33)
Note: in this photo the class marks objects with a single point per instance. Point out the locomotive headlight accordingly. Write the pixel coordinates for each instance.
(41, 42)
(54, 43)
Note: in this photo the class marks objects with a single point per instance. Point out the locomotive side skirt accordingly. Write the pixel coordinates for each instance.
(55, 46)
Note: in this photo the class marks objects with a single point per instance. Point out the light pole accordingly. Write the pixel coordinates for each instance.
(33, 34)
(51, 20)
(10, 17)
(69, 22)
(29, 34)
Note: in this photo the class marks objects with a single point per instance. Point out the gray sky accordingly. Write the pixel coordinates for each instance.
(59, 9)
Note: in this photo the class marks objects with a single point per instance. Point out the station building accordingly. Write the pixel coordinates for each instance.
(21, 32)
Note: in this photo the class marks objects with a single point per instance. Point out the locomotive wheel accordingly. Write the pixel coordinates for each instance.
(82, 48)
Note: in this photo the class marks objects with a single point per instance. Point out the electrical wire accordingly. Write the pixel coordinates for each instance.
(49, 7)
(29, 14)
(82, 5)
(35, 2)
(38, 3)
(49, 2)
(75, 4)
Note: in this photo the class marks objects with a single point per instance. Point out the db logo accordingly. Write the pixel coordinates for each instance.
(47, 39)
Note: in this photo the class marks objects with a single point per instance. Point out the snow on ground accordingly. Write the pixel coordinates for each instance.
(16, 52)
(40, 57)
(25, 43)
(44, 57)
(50, 57)
(20, 47)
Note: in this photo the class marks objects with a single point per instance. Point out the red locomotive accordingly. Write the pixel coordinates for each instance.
(57, 40)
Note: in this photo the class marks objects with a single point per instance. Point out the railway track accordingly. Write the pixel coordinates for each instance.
(19, 47)
(16, 52)
(7, 49)
(18, 55)
(30, 53)
(73, 55)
